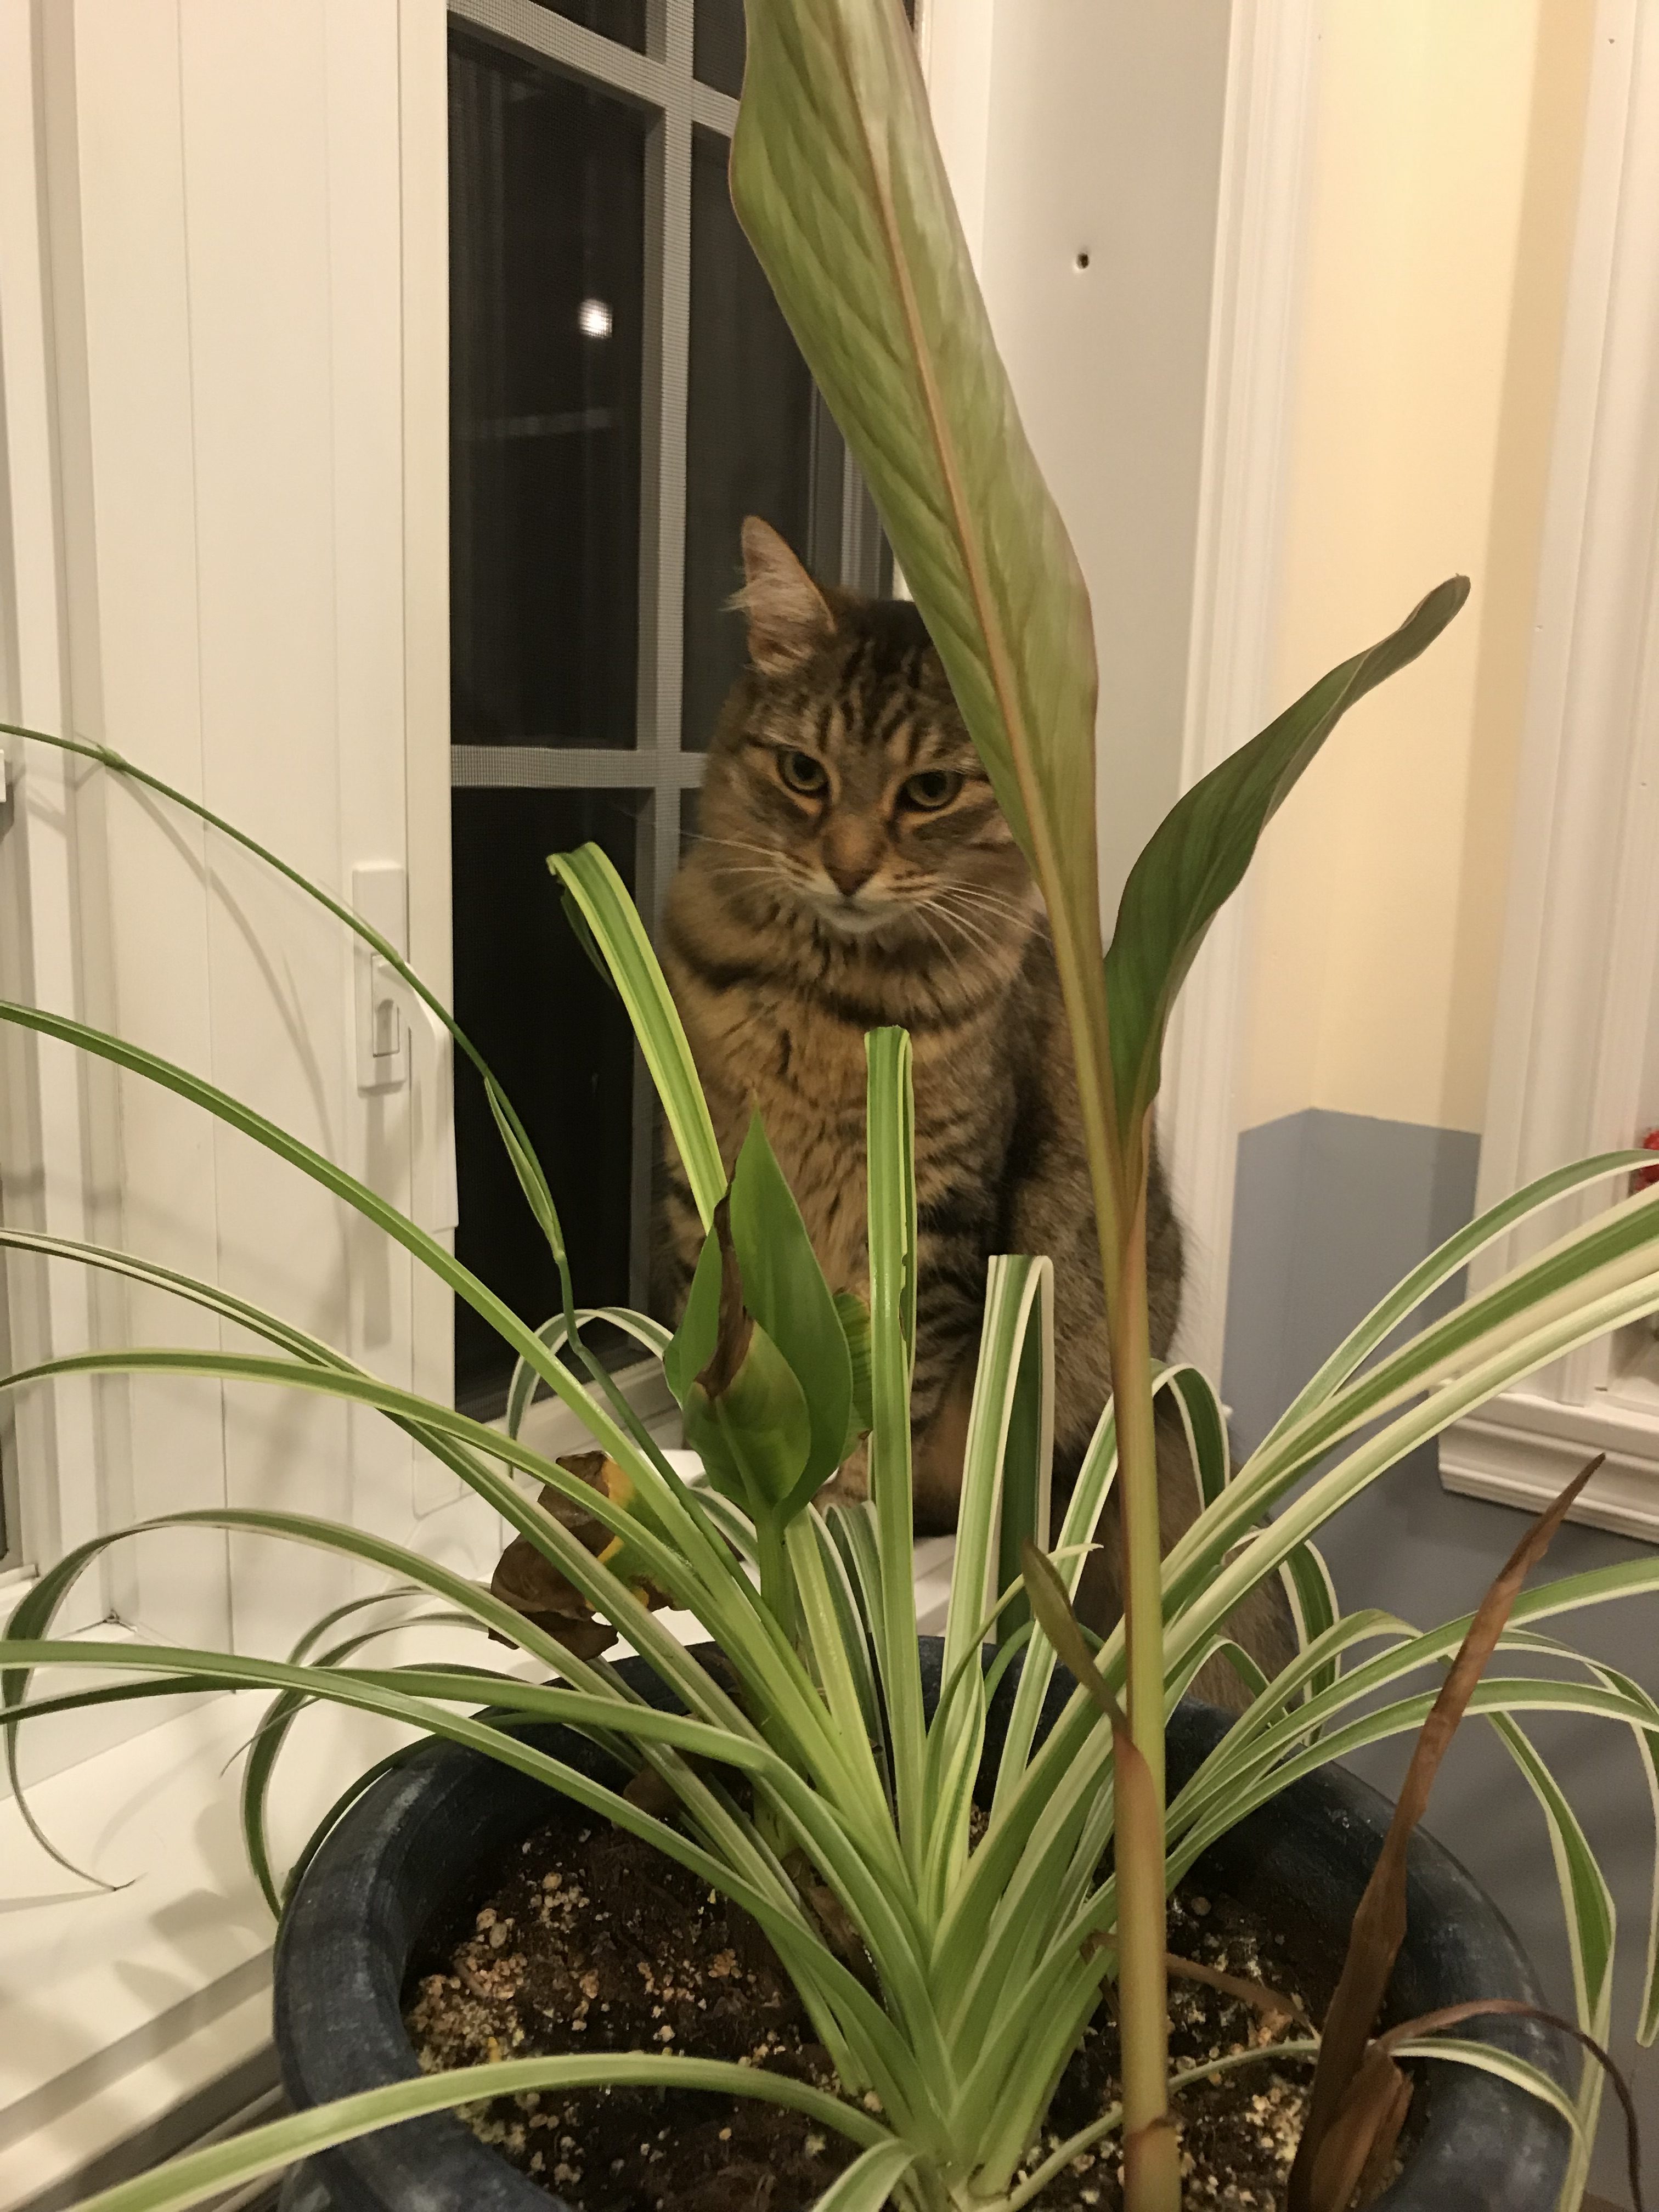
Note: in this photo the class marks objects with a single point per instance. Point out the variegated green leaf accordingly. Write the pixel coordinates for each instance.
(555, 1334)
(609, 914)
(205, 2174)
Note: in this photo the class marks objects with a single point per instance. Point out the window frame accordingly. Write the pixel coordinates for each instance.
(48, 1450)
(845, 540)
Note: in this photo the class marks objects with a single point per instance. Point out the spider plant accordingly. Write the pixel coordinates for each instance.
(818, 1743)
(985, 1970)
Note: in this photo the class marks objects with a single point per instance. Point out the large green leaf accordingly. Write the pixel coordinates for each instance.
(785, 1376)
(758, 1423)
(1198, 853)
(784, 1288)
(837, 179)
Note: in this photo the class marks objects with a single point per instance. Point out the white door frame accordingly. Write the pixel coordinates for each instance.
(1258, 278)
(1577, 989)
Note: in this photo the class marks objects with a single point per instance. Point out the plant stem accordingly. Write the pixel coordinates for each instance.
(777, 1576)
(1118, 1172)
(1137, 1448)
(1152, 2159)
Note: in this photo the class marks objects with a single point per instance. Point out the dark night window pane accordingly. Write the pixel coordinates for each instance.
(547, 259)
(748, 449)
(621, 20)
(717, 44)
(559, 1042)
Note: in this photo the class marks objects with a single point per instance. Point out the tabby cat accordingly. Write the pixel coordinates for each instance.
(854, 870)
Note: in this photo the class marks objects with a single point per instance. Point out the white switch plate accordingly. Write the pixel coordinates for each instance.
(380, 894)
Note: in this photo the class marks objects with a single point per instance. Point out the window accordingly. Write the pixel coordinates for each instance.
(623, 391)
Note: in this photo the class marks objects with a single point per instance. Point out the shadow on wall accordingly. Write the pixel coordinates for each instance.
(1331, 1211)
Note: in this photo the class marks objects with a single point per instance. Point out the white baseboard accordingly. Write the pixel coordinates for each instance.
(1522, 1450)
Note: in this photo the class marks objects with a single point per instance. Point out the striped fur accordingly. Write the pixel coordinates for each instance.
(824, 899)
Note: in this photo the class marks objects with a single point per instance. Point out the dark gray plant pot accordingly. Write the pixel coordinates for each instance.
(421, 1837)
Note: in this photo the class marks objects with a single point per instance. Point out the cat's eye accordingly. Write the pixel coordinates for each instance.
(805, 773)
(931, 789)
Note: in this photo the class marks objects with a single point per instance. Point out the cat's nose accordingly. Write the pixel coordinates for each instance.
(850, 874)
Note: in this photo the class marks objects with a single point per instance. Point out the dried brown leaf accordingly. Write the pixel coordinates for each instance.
(1379, 1924)
(736, 1325)
(1360, 2140)
(528, 1581)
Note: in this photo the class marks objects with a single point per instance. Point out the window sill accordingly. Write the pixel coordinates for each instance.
(1523, 1448)
(120, 2004)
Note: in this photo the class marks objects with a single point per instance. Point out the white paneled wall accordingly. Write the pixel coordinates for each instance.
(242, 198)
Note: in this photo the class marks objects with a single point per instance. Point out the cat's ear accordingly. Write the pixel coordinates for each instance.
(789, 619)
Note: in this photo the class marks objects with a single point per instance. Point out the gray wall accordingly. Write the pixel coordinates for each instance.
(1332, 1209)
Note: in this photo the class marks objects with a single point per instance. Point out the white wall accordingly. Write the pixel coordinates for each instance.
(1093, 127)
(244, 210)
(1441, 193)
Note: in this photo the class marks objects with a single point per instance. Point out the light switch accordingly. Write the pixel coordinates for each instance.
(380, 894)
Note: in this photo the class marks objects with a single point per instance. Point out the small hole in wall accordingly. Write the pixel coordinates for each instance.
(1083, 260)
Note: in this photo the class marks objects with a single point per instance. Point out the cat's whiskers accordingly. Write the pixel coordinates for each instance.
(970, 932)
(979, 895)
(930, 894)
(737, 844)
(994, 922)
(919, 914)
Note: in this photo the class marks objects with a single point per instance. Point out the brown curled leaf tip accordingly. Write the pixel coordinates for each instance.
(736, 1326)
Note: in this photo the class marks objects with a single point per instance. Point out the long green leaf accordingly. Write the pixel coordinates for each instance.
(1018, 1294)
(1447, 1259)
(1587, 1906)
(522, 1153)
(1586, 1293)
(611, 915)
(1646, 1741)
(832, 1652)
(427, 1248)
(265, 1749)
(870, 2180)
(776, 1677)
(419, 1698)
(1489, 2059)
(1198, 855)
(1078, 1533)
(1572, 1290)
(892, 1202)
(837, 179)
(202, 2174)
(555, 1334)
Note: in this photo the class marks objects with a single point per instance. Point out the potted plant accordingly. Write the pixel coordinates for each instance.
(822, 1773)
